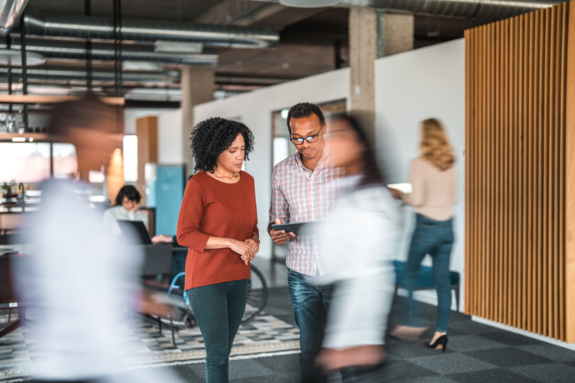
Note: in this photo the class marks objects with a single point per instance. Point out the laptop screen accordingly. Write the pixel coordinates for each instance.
(135, 230)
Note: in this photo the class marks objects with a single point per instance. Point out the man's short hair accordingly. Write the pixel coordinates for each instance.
(305, 109)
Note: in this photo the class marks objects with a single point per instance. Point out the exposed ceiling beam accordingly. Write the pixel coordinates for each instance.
(248, 13)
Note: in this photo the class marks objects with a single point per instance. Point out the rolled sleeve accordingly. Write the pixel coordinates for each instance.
(279, 206)
(191, 212)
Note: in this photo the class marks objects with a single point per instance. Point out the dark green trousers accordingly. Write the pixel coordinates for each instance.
(219, 309)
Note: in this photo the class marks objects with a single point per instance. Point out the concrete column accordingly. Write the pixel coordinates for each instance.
(396, 34)
(197, 85)
(373, 34)
(362, 55)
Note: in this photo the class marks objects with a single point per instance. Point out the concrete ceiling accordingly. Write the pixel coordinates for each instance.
(307, 36)
(177, 10)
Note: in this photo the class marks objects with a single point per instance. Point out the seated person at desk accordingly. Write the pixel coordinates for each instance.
(127, 208)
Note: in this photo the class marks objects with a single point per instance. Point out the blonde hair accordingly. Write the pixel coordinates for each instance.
(435, 146)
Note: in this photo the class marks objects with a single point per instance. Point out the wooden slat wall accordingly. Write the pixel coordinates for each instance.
(518, 172)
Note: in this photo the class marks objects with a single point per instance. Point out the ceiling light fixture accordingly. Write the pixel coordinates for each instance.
(309, 3)
(12, 57)
(177, 47)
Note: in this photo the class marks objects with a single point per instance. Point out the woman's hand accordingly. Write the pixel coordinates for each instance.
(255, 245)
(244, 249)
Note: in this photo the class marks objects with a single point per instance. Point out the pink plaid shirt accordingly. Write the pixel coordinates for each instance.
(300, 195)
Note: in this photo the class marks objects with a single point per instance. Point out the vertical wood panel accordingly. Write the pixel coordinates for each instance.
(570, 183)
(520, 172)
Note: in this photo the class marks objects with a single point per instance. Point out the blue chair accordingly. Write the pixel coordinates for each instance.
(424, 280)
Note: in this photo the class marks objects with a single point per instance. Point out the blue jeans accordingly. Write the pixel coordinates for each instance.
(219, 309)
(436, 239)
(311, 299)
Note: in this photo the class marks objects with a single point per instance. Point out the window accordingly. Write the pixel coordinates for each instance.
(65, 161)
(130, 158)
(24, 162)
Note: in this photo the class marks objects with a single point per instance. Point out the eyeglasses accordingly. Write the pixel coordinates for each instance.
(310, 139)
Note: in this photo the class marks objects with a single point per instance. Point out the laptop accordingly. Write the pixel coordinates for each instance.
(137, 229)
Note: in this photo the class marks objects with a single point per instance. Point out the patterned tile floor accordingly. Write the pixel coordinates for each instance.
(476, 353)
(147, 346)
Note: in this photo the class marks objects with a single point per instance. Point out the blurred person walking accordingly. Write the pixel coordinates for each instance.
(433, 195)
(218, 223)
(78, 282)
(360, 235)
(303, 190)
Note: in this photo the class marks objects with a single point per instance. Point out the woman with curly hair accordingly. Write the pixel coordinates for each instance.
(218, 224)
(433, 195)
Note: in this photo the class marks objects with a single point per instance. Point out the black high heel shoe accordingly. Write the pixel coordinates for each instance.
(440, 343)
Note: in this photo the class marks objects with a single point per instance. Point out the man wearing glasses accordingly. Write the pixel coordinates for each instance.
(303, 191)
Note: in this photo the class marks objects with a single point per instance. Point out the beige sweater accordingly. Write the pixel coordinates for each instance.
(434, 191)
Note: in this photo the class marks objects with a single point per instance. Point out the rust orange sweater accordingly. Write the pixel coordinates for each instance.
(212, 208)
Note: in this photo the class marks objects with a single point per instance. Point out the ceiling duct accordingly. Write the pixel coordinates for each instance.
(76, 50)
(10, 11)
(80, 27)
(487, 10)
(66, 74)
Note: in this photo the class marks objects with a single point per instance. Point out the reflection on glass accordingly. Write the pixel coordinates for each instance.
(65, 162)
(130, 158)
(24, 162)
(96, 177)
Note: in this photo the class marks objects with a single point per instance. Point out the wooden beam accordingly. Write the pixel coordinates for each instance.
(36, 137)
(32, 99)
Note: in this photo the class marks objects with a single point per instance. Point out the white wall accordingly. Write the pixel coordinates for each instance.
(255, 110)
(132, 114)
(411, 87)
(170, 150)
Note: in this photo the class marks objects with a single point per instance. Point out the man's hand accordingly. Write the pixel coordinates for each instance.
(396, 193)
(147, 304)
(360, 356)
(161, 238)
(280, 237)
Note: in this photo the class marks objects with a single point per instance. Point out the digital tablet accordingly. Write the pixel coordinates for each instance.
(296, 228)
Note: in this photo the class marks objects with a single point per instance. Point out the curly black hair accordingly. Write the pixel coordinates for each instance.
(211, 137)
(305, 109)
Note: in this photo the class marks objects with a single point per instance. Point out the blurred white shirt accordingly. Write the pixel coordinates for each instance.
(113, 214)
(359, 238)
(82, 286)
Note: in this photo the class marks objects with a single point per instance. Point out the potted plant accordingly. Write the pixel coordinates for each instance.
(8, 189)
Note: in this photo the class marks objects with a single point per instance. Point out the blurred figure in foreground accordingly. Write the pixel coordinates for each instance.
(302, 191)
(80, 284)
(433, 196)
(360, 236)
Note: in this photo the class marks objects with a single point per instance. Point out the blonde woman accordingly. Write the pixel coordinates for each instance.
(432, 196)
